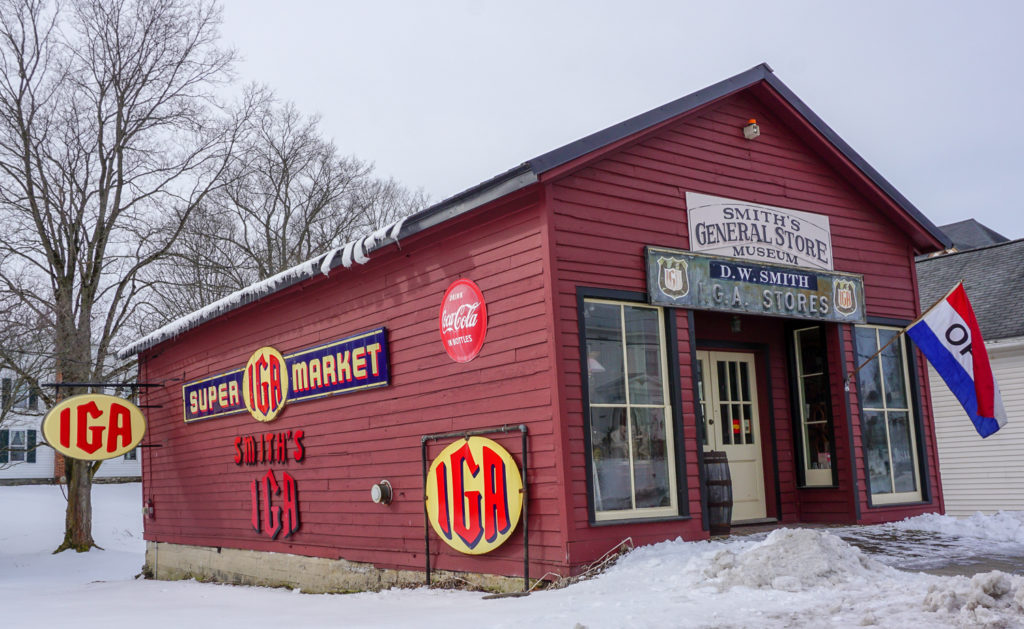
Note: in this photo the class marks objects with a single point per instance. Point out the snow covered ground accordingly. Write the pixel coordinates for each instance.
(787, 578)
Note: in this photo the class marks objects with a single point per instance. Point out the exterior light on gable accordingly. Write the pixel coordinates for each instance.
(751, 131)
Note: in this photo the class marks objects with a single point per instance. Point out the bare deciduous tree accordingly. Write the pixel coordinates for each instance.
(110, 138)
(288, 196)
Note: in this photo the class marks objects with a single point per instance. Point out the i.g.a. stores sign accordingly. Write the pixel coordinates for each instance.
(754, 231)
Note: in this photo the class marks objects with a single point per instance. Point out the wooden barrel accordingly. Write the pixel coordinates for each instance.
(719, 486)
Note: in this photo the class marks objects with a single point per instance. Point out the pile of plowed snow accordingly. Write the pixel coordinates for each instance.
(793, 560)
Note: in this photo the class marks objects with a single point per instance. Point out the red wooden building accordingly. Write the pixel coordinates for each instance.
(684, 281)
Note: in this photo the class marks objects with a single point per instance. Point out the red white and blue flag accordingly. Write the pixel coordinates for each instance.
(949, 336)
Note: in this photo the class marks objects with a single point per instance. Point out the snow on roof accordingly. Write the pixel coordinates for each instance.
(357, 250)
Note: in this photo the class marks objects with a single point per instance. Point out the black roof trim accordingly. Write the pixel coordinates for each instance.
(760, 72)
(636, 124)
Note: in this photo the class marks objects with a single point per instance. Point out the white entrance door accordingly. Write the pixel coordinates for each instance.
(728, 398)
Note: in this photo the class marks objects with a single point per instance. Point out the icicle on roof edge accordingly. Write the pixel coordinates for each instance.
(353, 251)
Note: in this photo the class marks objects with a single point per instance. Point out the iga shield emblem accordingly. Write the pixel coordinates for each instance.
(672, 277)
(845, 297)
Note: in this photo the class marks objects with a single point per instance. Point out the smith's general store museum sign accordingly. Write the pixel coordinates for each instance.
(509, 383)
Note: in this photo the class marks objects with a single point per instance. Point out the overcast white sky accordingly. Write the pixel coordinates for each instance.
(445, 94)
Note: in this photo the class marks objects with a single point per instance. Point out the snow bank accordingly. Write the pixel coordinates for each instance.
(1004, 526)
(990, 599)
(793, 560)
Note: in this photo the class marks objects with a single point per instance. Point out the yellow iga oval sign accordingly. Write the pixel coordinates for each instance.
(265, 384)
(94, 427)
(474, 495)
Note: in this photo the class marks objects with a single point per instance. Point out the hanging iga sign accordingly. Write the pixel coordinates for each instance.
(270, 380)
(755, 231)
(690, 280)
(94, 427)
(474, 495)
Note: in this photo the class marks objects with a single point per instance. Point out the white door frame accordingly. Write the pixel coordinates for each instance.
(729, 394)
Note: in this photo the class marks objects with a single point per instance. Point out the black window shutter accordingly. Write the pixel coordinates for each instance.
(4, 440)
(31, 445)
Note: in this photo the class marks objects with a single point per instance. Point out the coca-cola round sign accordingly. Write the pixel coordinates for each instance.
(463, 320)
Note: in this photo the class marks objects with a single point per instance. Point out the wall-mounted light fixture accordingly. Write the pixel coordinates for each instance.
(381, 493)
(751, 131)
(736, 325)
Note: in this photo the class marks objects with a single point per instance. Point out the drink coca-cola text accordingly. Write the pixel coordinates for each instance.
(464, 317)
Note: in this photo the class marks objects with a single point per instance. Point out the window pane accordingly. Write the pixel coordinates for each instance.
(604, 354)
(744, 383)
(726, 419)
(748, 423)
(812, 354)
(904, 477)
(892, 368)
(877, 444)
(819, 447)
(609, 440)
(643, 349)
(16, 446)
(650, 465)
(868, 376)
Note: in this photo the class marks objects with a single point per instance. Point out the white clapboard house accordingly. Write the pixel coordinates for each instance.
(978, 474)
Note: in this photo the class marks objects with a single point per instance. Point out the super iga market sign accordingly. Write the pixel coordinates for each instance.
(463, 320)
(270, 379)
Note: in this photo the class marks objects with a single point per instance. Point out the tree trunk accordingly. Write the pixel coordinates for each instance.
(78, 519)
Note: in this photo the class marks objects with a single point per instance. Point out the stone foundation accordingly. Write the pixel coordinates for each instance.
(315, 575)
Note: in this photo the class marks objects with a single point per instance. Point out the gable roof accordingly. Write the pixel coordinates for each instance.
(989, 274)
(923, 232)
(970, 234)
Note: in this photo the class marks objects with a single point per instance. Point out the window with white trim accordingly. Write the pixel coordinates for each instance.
(814, 405)
(17, 446)
(630, 415)
(887, 417)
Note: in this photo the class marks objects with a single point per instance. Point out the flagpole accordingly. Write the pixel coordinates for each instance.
(846, 383)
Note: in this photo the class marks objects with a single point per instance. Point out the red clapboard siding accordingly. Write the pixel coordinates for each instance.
(606, 211)
(353, 440)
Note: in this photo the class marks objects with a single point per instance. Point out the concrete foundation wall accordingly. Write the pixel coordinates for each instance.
(314, 575)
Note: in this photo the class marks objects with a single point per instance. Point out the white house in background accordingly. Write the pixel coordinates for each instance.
(24, 456)
(982, 474)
